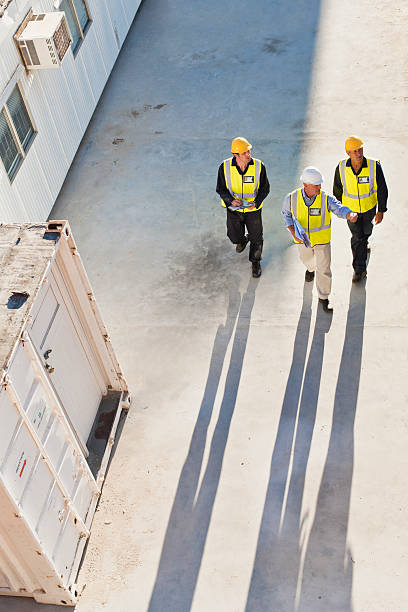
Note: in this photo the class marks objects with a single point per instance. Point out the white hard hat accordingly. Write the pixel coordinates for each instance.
(311, 176)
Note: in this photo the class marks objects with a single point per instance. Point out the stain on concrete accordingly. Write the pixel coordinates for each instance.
(298, 125)
(202, 55)
(205, 56)
(134, 113)
(276, 46)
(197, 277)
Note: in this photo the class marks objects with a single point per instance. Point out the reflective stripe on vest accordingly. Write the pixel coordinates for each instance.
(357, 195)
(318, 227)
(236, 185)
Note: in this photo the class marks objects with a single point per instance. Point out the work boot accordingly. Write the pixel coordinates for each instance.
(325, 305)
(358, 276)
(241, 245)
(309, 276)
(256, 269)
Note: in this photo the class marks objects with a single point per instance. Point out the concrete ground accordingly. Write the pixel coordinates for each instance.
(262, 467)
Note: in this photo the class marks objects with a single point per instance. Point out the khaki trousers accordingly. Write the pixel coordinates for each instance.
(317, 259)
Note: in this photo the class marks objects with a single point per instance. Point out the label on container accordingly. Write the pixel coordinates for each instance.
(21, 465)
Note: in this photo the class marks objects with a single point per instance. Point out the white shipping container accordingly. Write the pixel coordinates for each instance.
(61, 396)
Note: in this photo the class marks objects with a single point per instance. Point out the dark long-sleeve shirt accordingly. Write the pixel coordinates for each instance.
(225, 195)
(382, 190)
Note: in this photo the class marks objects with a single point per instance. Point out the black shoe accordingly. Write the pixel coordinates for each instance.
(256, 269)
(325, 305)
(309, 276)
(241, 246)
(358, 276)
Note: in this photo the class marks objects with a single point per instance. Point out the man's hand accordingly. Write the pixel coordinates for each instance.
(352, 217)
(236, 203)
(378, 217)
(250, 208)
(291, 228)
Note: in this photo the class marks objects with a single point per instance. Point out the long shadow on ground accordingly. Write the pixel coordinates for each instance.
(327, 578)
(293, 570)
(192, 509)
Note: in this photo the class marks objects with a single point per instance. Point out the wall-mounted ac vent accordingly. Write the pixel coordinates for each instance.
(44, 41)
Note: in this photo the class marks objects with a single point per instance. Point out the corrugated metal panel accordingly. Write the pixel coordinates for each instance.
(93, 65)
(47, 144)
(4, 73)
(10, 203)
(104, 34)
(61, 103)
(130, 7)
(62, 107)
(9, 56)
(81, 98)
(117, 17)
(30, 180)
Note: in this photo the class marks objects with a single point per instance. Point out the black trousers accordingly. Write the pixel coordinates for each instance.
(252, 221)
(360, 233)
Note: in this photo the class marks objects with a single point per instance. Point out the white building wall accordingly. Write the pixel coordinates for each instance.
(60, 101)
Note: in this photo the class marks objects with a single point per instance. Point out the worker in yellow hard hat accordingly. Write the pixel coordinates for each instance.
(242, 185)
(359, 183)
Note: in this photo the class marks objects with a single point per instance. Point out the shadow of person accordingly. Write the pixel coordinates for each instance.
(327, 575)
(190, 515)
(274, 576)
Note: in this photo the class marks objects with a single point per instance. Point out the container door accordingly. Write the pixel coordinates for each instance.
(40, 467)
(67, 361)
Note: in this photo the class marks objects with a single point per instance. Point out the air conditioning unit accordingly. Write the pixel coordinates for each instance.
(44, 40)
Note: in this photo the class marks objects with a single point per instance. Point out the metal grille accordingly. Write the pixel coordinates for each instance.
(62, 39)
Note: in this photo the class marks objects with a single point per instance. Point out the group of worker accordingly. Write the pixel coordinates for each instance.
(360, 196)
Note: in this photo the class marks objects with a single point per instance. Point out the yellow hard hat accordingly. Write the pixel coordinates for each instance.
(240, 145)
(353, 143)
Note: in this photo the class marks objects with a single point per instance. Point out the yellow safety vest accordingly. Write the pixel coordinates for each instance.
(359, 191)
(242, 186)
(315, 222)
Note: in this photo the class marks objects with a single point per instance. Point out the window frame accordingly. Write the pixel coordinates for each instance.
(82, 32)
(23, 153)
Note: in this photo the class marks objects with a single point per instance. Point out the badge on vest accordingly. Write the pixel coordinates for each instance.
(314, 212)
(363, 179)
(249, 179)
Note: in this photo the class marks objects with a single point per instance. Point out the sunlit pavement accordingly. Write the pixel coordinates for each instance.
(263, 464)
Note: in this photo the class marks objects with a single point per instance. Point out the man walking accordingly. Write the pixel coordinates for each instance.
(243, 185)
(359, 183)
(307, 213)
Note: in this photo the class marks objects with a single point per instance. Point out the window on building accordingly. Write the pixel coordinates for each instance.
(78, 19)
(16, 132)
